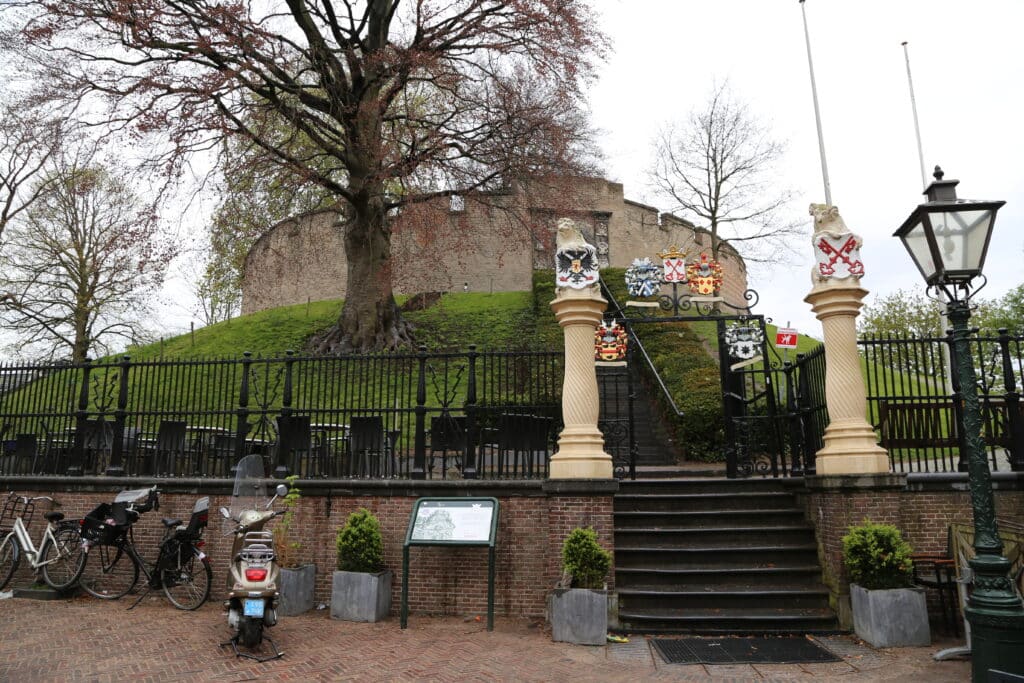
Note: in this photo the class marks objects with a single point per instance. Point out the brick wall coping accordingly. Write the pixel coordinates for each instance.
(856, 482)
(329, 488)
(958, 481)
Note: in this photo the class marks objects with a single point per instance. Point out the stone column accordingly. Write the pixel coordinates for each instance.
(836, 299)
(578, 307)
(581, 445)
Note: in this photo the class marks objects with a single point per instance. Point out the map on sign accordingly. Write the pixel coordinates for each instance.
(453, 520)
(786, 338)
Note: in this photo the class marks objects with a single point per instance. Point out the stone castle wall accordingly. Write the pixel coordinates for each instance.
(487, 242)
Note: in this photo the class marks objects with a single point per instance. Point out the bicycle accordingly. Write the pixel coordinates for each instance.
(112, 563)
(60, 549)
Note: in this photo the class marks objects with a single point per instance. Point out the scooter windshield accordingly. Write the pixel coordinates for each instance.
(250, 486)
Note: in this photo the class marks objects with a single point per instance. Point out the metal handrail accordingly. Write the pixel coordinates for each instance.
(634, 339)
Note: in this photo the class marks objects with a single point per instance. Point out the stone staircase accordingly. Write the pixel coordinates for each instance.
(653, 443)
(716, 556)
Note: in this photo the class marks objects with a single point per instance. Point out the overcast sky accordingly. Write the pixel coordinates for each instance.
(967, 61)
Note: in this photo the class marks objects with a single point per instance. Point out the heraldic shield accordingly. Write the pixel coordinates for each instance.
(576, 267)
(609, 341)
(643, 278)
(704, 277)
(673, 263)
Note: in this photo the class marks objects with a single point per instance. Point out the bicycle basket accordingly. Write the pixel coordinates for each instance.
(105, 524)
(16, 506)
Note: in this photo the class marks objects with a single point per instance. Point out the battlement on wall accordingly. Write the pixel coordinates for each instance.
(481, 242)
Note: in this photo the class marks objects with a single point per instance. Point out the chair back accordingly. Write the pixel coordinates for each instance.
(293, 433)
(170, 436)
(366, 433)
(523, 432)
(448, 433)
(99, 435)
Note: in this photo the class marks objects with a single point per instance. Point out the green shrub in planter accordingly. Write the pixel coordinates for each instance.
(877, 557)
(585, 559)
(360, 546)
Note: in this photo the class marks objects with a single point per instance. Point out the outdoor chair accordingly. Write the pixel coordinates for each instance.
(97, 441)
(447, 434)
(523, 442)
(26, 454)
(222, 455)
(294, 446)
(170, 453)
(371, 452)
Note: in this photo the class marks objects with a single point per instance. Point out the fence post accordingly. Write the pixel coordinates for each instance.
(793, 410)
(78, 448)
(469, 462)
(282, 456)
(286, 398)
(115, 468)
(242, 423)
(1014, 420)
(419, 470)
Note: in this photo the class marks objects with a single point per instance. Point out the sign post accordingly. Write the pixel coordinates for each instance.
(452, 522)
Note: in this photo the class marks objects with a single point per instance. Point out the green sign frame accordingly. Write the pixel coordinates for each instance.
(452, 521)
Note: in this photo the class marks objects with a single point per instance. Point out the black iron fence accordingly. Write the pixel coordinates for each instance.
(803, 410)
(914, 402)
(416, 415)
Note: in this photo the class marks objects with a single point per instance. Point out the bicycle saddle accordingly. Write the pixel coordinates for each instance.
(54, 516)
(169, 523)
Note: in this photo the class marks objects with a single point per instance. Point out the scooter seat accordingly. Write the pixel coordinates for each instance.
(169, 523)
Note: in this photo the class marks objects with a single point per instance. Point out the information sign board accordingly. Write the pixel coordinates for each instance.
(466, 520)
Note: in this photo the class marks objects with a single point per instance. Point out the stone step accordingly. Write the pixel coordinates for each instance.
(735, 621)
(682, 485)
(735, 500)
(717, 557)
(732, 598)
(702, 519)
(741, 537)
(783, 576)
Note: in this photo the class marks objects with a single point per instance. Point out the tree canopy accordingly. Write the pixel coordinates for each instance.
(394, 102)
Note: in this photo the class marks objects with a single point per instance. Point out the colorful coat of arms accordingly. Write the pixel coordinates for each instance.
(744, 341)
(673, 262)
(576, 267)
(610, 341)
(704, 276)
(643, 278)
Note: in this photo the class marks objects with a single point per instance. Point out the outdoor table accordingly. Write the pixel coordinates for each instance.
(331, 441)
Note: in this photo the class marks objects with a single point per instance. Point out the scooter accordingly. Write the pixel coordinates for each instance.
(252, 600)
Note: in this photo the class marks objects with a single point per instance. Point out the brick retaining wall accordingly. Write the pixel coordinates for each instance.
(921, 506)
(534, 518)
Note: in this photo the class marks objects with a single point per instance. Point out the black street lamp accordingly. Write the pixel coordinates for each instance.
(947, 238)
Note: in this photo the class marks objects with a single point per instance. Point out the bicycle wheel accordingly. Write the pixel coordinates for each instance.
(109, 572)
(63, 558)
(187, 585)
(10, 556)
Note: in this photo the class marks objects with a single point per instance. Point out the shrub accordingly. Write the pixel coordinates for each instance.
(877, 557)
(287, 549)
(585, 559)
(360, 546)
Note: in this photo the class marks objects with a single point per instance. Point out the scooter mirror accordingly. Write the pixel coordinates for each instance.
(281, 490)
(224, 513)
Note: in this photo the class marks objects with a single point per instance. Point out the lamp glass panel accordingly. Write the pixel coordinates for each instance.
(960, 237)
(916, 242)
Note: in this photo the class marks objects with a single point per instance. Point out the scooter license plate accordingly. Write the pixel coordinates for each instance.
(253, 608)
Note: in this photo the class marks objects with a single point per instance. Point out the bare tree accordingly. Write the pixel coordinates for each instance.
(28, 140)
(717, 169)
(80, 262)
(400, 102)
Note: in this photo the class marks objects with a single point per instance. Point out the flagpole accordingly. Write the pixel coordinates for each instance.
(817, 112)
(913, 108)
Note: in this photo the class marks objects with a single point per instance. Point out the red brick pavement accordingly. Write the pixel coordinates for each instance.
(83, 639)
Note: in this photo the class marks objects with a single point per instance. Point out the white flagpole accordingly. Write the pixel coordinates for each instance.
(817, 113)
(913, 107)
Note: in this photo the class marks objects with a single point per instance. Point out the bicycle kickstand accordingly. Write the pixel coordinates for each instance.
(139, 599)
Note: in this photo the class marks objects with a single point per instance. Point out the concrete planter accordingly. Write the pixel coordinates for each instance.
(578, 615)
(296, 588)
(360, 596)
(894, 617)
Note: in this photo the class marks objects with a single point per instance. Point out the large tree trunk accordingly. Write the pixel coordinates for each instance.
(370, 319)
